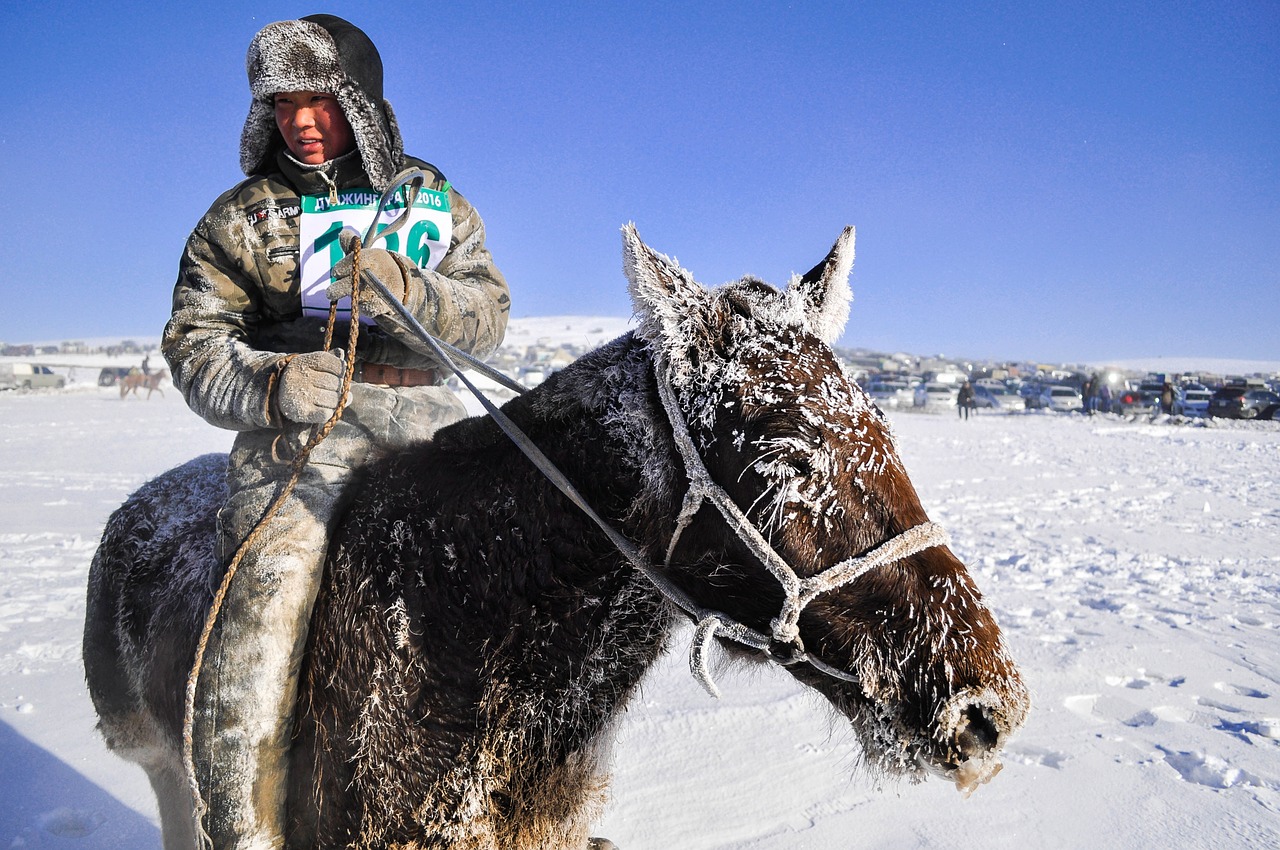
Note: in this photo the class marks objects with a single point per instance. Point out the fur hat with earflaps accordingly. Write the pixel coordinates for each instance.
(321, 53)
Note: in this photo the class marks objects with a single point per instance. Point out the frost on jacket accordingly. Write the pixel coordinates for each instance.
(237, 308)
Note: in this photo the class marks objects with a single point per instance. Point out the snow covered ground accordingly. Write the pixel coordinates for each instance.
(1135, 567)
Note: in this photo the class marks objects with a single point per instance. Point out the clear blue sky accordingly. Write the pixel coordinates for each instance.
(1066, 181)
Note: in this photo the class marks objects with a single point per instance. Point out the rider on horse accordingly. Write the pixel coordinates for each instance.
(244, 345)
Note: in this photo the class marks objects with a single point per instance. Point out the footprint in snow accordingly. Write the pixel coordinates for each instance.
(1144, 680)
(1133, 709)
(1240, 690)
(1219, 706)
(1169, 714)
(1137, 683)
(1082, 705)
(1263, 727)
(66, 822)
(1037, 756)
(1210, 771)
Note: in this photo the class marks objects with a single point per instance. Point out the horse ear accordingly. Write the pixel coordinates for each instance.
(664, 296)
(824, 290)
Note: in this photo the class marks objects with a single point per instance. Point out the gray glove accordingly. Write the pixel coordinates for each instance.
(310, 386)
(392, 269)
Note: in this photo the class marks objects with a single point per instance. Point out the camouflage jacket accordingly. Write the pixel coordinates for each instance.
(237, 308)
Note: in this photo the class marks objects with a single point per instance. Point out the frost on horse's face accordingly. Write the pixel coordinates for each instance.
(805, 453)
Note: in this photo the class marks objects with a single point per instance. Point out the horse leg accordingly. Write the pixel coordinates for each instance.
(147, 591)
(173, 798)
(134, 735)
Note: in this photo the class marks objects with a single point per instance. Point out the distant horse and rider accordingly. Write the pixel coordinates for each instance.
(137, 380)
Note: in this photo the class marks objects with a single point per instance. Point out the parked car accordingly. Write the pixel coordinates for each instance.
(1243, 402)
(934, 394)
(1131, 402)
(29, 376)
(996, 397)
(1060, 398)
(890, 393)
(110, 375)
(1192, 400)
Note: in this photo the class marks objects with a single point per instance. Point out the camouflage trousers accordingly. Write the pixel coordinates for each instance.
(248, 684)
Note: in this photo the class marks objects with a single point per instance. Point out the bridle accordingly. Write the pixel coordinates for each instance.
(783, 645)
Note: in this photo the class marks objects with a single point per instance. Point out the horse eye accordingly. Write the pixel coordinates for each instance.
(802, 465)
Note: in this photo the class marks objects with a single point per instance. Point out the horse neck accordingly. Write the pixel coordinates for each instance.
(601, 423)
(470, 499)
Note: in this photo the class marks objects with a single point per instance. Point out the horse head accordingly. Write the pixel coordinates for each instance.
(806, 465)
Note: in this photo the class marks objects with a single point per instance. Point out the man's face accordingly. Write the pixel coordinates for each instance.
(313, 126)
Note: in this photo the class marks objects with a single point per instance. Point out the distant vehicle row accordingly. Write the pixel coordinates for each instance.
(33, 376)
(1235, 402)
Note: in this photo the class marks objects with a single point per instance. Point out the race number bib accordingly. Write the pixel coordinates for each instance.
(423, 239)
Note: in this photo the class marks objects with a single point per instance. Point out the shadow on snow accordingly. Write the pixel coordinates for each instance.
(48, 803)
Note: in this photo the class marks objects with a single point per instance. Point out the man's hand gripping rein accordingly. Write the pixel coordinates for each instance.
(310, 386)
(395, 272)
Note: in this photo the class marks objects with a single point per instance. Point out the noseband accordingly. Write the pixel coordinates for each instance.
(783, 645)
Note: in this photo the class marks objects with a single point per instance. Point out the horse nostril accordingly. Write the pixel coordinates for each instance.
(978, 735)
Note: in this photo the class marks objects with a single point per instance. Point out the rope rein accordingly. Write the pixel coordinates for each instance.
(297, 464)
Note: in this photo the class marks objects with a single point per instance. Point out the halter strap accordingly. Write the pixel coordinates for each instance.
(798, 592)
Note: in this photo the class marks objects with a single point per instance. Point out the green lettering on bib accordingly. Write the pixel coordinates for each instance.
(329, 239)
(423, 239)
(417, 247)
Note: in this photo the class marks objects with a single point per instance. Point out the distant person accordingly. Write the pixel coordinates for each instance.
(1167, 395)
(146, 365)
(965, 400)
(1104, 398)
(245, 347)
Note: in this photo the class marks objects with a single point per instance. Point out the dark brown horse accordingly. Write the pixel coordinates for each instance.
(476, 635)
(135, 381)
